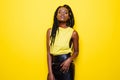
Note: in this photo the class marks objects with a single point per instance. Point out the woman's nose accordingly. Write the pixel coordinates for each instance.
(62, 13)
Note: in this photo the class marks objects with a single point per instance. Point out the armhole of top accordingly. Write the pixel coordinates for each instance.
(70, 43)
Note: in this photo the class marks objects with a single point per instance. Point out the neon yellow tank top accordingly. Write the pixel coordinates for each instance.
(62, 39)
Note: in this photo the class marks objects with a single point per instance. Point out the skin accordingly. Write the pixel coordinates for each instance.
(62, 17)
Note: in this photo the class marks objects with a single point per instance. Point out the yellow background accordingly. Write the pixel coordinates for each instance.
(23, 26)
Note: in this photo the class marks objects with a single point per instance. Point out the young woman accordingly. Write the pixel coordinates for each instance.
(62, 45)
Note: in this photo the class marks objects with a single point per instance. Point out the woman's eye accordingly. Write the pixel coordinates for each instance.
(66, 12)
(59, 12)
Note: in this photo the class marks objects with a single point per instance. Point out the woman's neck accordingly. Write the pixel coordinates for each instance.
(63, 25)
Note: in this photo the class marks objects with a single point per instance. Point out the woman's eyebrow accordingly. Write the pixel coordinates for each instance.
(64, 10)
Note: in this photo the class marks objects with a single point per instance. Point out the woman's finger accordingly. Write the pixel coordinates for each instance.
(64, 69)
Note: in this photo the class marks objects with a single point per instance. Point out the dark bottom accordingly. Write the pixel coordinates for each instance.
(59, 75)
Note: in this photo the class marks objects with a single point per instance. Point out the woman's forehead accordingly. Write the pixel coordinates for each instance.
(62, 8)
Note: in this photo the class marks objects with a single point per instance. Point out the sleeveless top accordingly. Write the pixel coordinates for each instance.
(62, 41)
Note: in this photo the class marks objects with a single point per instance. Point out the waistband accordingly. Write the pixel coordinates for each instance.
(60, 58)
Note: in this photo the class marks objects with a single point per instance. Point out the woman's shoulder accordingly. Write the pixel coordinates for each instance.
(74, 33)
(49, 30)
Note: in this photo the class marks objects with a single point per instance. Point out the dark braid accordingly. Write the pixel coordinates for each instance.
(55, 26)
(70, 22)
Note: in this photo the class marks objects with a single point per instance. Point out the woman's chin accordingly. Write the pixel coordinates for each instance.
(62, 21)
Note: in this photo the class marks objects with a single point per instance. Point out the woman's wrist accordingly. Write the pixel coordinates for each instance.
(50, 73)
(70, 59)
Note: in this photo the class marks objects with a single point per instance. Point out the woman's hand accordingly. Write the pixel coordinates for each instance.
(65, 65)
(50, 76)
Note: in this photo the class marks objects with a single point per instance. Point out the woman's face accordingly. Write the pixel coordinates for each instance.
(62, 14)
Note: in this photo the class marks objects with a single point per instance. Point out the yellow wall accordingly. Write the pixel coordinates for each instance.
(23, 26)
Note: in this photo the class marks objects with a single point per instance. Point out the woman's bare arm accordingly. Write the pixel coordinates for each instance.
(49, 60)
(75, 39)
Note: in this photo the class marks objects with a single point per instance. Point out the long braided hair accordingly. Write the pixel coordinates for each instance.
(55, 26)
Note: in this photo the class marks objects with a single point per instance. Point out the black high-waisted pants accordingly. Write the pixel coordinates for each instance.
(59, 75)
